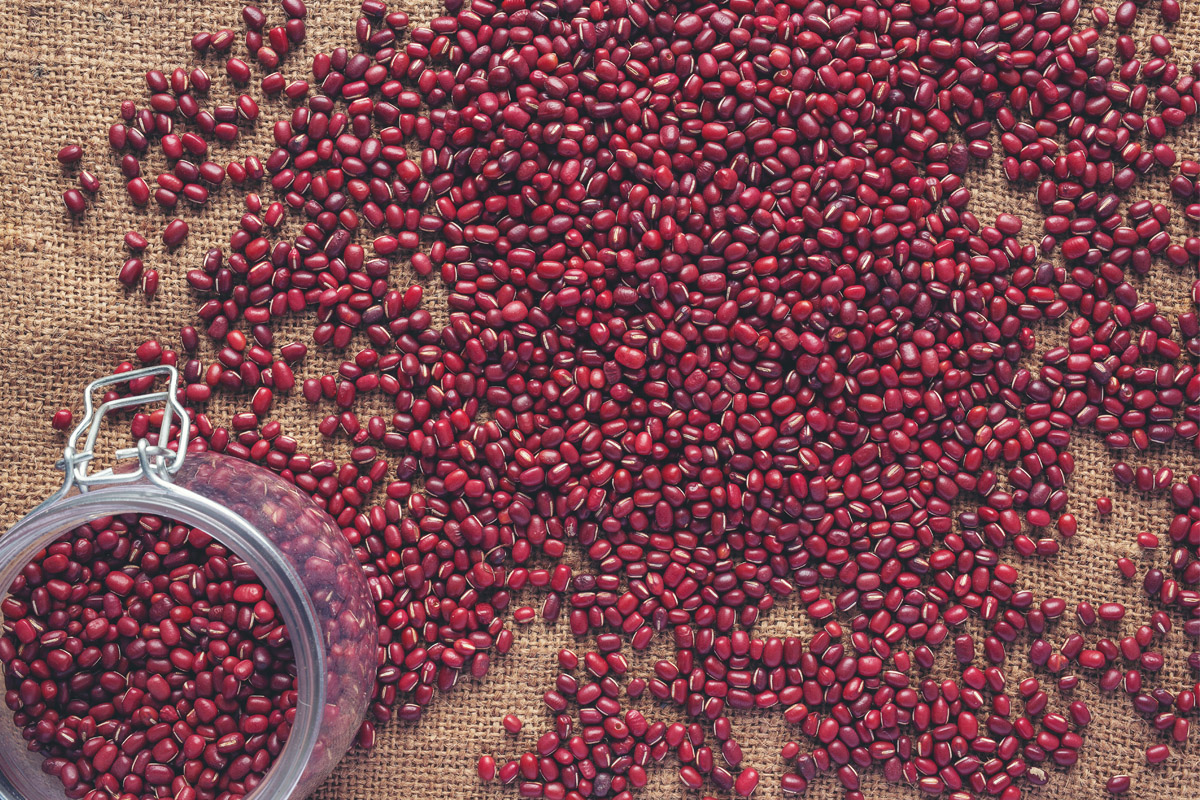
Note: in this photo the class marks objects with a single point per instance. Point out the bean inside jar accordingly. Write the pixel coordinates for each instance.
(142, 659)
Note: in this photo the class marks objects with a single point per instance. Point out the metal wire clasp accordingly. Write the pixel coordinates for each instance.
(156, 462)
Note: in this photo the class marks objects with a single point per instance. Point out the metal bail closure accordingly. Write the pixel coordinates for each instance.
(158, 463)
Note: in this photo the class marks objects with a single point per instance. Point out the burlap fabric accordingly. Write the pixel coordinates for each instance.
(65, 321)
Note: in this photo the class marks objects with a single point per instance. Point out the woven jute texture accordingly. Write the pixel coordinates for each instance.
(64, 68)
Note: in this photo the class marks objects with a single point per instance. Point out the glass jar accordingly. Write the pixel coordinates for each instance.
(298, 552)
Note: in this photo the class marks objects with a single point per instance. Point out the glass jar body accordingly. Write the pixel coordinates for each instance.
(299, 555)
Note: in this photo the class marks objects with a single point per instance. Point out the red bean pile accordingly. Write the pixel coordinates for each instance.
(143, 660)
(719, 313)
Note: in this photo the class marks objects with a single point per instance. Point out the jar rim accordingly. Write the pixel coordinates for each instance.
(47, 523)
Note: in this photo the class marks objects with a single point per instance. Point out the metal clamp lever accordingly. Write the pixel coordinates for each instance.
(156, 462)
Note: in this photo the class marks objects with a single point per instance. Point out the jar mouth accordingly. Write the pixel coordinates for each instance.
(48, 523)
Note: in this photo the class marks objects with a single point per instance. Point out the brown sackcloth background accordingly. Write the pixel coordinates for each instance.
(64, 320)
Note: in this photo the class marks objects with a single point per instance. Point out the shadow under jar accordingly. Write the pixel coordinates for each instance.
(298, 553)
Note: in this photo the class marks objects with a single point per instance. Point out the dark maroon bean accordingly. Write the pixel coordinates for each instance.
(73, 200)
(70, 154)
(139, 192)
(131, 272)
(237, 70)
(62, 419)
(175, 232)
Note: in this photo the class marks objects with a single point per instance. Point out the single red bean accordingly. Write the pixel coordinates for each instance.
(150, 282)
(139, 192)
(238, 70)
(74, 201)
(131, 272)
(253, 17)
(69, 154)
(746, 782)
(175, 232)
(247, 108)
